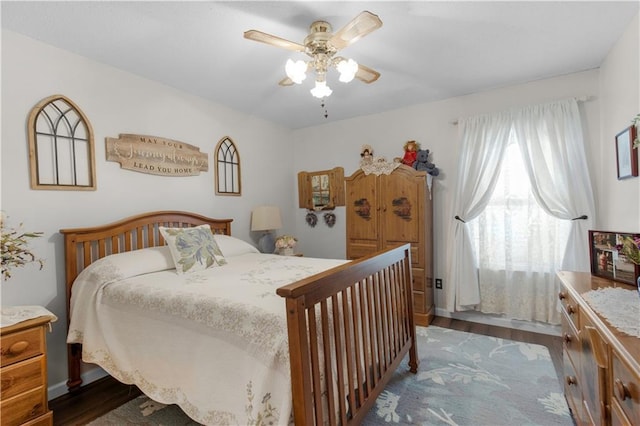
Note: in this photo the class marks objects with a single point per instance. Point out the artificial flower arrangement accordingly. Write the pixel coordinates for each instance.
(285, 241)
(15, 250)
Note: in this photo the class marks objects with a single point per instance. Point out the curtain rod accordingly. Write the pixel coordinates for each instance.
(584, 98)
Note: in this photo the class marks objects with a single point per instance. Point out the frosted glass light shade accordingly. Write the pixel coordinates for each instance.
(321, 90)
(347, 70)
(296, 70)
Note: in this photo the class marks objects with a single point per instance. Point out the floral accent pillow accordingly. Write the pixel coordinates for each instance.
(193, 249)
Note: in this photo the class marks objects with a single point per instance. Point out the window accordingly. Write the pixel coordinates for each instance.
(518, 246)
(61, 148)
(227, 168)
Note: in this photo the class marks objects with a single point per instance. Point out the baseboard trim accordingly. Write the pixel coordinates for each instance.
(60, 389)
(478, 317)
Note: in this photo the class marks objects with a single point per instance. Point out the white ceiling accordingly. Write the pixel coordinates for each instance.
(425, 51)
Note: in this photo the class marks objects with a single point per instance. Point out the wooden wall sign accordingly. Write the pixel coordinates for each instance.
(156, 156)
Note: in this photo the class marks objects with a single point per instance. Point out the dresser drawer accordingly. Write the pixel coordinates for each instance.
(22, 376)
(570, 307)
(570, 340)
(571, 388)
(24, 407)
(22, 345)
(625, 387)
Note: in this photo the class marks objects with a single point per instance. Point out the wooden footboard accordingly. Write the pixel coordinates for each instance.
(349, 329)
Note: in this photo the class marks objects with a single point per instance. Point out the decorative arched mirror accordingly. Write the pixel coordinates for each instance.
(61, 147)
(227, 163)
(323, 190)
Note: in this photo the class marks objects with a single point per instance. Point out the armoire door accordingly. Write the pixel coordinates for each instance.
(363, 220)
(401, 211)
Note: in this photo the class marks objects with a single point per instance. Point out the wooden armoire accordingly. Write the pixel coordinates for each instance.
(386, 210)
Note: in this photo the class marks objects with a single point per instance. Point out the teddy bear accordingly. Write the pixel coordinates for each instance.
(422, 163)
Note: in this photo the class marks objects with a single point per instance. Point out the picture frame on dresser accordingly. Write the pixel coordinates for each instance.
(607, 261)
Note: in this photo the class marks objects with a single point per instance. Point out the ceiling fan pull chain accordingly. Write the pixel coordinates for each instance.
(322, 105)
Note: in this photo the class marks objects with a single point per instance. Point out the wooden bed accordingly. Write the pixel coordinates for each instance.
(357, 316)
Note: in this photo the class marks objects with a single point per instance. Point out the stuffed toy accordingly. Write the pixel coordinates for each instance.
(366, 155)
(422, 163)
(410, 153)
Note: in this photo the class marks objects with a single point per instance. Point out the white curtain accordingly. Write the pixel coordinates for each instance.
(484, 140)
(550, 139)
(552, 145)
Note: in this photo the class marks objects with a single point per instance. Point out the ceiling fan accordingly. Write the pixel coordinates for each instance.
(321, 45)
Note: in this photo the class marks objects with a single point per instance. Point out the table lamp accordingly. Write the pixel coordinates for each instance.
(266, 219)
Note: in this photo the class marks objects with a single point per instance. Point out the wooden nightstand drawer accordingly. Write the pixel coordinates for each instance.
(22, 376)
(625, 387)
(45, 420)
(22, 345)
(24, 407)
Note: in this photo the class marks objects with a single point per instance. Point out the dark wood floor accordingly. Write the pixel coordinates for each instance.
(103, 395)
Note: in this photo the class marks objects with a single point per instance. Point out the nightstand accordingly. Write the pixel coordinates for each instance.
(23, 372)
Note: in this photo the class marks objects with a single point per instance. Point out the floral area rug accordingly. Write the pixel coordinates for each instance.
(463, 379)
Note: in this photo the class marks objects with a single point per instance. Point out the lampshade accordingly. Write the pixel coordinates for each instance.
(265, 218)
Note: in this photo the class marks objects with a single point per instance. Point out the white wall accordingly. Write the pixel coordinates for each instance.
(117, 102)
(619, 201)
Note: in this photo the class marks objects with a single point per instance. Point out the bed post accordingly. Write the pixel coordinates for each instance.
(301, 384)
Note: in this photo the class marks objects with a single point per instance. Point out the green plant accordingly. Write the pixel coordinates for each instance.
(15, 250)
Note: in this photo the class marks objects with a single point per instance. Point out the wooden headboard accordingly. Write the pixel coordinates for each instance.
(83, 246)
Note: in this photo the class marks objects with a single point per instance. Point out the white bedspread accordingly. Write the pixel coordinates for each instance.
(213, 342)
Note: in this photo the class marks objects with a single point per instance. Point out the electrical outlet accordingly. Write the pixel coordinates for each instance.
(438, 282)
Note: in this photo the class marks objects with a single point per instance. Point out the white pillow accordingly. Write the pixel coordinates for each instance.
(193, 249)
(232, 246)
(129, 264)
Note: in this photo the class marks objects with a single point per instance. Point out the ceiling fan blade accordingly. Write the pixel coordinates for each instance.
(366, 74)
(256, 35)
(359, 27)
(286, 82)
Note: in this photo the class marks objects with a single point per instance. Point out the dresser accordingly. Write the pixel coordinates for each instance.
(601, 363)
(387, 210)
(23, 399)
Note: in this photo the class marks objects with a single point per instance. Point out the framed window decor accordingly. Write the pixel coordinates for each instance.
(626, 157)
(611, 254)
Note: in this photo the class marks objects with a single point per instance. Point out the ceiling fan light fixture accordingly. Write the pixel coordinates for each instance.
(296, 70)
(321, 90)
(347, 69)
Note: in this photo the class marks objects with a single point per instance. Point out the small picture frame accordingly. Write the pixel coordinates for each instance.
(626, 157)
(607, 262)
